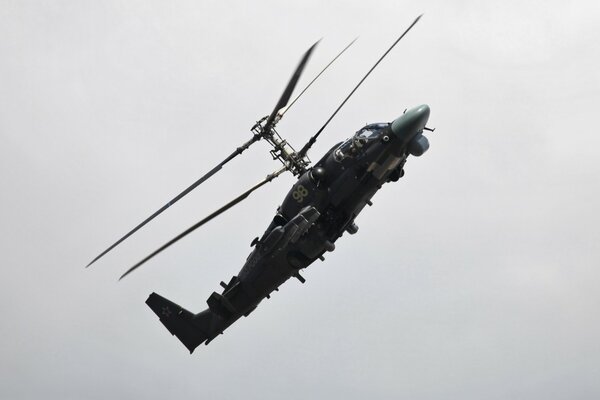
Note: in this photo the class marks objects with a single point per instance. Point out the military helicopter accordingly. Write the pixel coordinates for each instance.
(318, 209)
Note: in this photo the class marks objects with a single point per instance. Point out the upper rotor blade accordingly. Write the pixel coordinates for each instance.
(316, 77)
(289, 89)
(213, 171)
(215, 214)
(313, 139)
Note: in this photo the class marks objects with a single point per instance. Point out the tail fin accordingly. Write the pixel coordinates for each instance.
(191, 329)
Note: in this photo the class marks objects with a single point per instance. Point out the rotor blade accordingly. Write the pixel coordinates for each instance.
(197, 225)
(313, 139)
(316, 77)
(213, 171)
(289, 89)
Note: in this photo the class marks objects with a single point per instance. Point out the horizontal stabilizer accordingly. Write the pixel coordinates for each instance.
(191, 329)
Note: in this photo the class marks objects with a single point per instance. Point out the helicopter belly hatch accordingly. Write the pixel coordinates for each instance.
(321, 205)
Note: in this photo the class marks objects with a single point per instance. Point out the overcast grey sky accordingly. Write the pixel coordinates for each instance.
(475, 276)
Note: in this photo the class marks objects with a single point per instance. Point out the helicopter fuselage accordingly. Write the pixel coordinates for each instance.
(317, 210)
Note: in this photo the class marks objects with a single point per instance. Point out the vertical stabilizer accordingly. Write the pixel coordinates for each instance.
(191, 329)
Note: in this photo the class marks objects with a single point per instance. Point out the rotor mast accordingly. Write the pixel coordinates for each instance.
(282, 149)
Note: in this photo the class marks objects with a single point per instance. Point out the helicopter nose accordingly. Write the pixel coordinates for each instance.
(411, 122)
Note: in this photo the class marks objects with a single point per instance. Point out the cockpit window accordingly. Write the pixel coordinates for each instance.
(346, 150)
(366, 134)
(352, 146)
(371, 132)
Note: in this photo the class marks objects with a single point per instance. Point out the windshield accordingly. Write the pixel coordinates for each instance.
(352, 146)
(370, 132)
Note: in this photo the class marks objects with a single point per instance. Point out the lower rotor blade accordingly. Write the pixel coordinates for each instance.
(215, 214)
(213, 171)
(313, 139)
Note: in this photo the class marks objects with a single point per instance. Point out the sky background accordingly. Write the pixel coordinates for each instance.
(475, 276)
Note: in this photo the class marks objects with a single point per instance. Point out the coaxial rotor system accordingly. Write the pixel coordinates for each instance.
(294, 161)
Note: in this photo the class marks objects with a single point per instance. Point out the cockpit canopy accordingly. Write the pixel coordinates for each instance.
(352, 146)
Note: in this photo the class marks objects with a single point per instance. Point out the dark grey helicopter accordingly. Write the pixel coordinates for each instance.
(317, 210)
